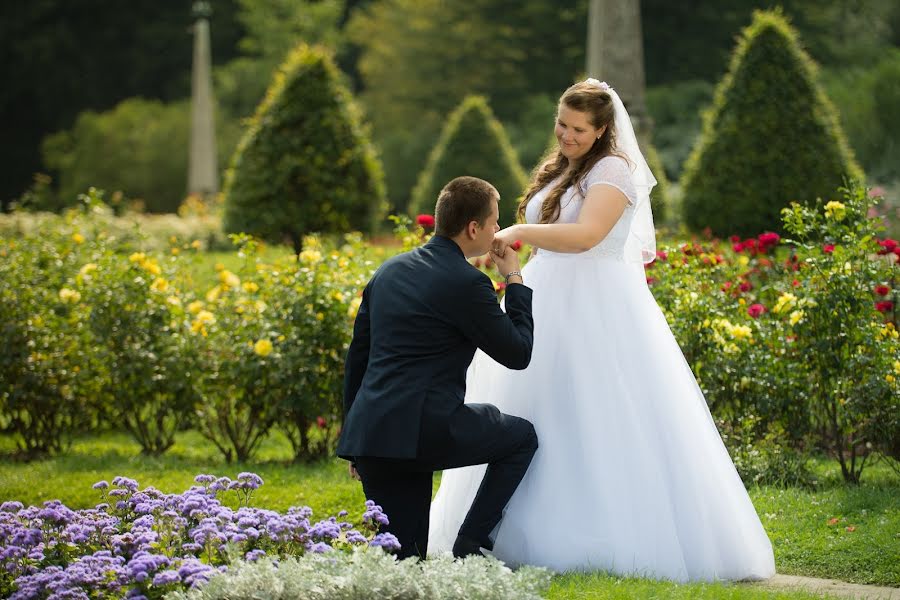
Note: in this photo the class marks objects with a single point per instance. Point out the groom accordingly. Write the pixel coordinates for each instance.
(422, 317)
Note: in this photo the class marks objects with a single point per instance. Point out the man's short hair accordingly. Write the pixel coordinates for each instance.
(463, 200)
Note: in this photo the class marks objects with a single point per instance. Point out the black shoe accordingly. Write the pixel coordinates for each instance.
(466, 547)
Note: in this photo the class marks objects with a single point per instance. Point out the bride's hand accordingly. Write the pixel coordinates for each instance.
(504, 238)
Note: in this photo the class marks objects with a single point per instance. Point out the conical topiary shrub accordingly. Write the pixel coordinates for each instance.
(472, 143)
(770, 138)
(305, 163)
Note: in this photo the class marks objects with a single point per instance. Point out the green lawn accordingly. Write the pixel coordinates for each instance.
(797, 520)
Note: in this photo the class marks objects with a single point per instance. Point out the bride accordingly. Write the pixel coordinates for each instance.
(631, 476)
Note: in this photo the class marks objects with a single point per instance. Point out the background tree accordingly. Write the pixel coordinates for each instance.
(60, 58)
(520, 56)
(473, 143)
(772, 137)
(305, 163)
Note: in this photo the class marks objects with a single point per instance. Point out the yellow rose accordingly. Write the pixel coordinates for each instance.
(250, 287)
(77, 238)
(229, 279)
(785, 302)
(897, 367)
(137, 257)
(835, 210)
(320, 317)
(151, 267)
(310, 256)
(196, 245)
(176, 251)
(206, 317)
(213, 294)
(743, 260)
(741, 332)
(87, 269)
(159, 285)
(68, 295)
(797, 316)
(195, 307)
(263, 347)
(889, 378)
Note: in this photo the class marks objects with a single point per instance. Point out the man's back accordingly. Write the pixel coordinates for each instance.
(423, 315)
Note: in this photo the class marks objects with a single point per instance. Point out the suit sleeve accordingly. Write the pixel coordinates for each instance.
(358, 354)
(507, 337)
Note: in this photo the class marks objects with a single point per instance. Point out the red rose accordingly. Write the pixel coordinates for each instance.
(828, 248)
(795, 283)
(516, 245)
(746, 286)
(884, 306)
(737, 246)
(426, 221)
(735, 239)
(687, 249)
(887, 246)
(768, 240)
(662, 254)
(726, 286)
(321, 422)
(882, 290)
(754, 310)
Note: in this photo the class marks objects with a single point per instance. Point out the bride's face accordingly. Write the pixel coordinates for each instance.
(574, 132)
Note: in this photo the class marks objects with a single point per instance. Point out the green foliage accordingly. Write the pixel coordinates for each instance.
(848, 356)
(48, 369)
(151, 359)
(659, 197)
(271, 28)
(472, 143)
(675, 109)
(450, 50)
(277, 335)
(138, 148)
(304, 163)
(771, 137)
(867, 98)
(764, 457)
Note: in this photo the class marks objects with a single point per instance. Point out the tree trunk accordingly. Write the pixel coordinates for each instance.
(615, 54)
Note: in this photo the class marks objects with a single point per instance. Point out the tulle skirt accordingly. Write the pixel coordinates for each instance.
(631, 476)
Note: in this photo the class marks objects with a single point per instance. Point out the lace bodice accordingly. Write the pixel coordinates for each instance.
(610, 170)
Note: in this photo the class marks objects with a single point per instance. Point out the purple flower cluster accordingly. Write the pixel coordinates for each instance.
(144, 543)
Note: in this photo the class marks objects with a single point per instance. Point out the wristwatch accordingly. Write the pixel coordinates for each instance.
(511, 273)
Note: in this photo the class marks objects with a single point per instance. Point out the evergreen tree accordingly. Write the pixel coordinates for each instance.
(770, 138)
(305, 163)
(473, 143)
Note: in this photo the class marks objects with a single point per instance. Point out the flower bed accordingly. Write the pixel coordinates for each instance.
(143, 543)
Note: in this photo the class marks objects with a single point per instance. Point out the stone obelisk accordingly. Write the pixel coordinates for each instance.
(615, 54)
(202, 171)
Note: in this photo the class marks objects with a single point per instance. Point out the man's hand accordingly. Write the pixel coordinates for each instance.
(354, 473)
(506, 263)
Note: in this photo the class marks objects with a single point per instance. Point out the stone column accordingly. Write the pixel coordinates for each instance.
(202, 170)
(615, 54)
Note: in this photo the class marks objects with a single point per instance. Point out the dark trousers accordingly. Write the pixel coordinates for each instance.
(475, 434)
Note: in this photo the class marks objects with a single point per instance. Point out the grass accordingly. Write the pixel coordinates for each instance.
(799, 521)
(596, 586)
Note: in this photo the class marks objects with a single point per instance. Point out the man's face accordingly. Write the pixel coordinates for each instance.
(484, 235)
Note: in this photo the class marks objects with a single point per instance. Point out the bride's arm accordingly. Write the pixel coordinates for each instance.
(602, 207)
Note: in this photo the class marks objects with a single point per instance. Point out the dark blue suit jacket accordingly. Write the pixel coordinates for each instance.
(422, 317)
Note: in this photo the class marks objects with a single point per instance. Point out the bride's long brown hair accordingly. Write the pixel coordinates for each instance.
(597, 103)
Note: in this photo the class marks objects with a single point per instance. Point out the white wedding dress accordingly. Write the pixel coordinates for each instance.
(631, 476)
